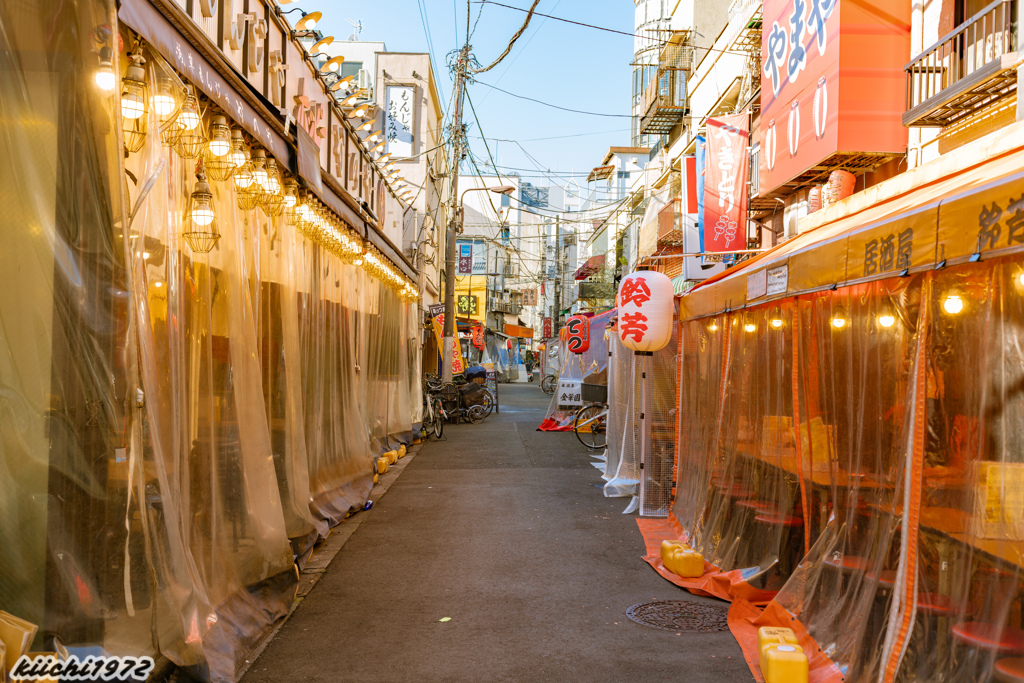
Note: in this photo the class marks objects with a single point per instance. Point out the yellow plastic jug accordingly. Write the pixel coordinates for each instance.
(402, 450)
(392, 457)
(784, 664)
(773, 635)
(681, 560)
(383, 465)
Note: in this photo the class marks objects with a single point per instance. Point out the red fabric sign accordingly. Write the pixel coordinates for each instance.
(725, 184)
(579, 333)
(478, 337)
(547, 328)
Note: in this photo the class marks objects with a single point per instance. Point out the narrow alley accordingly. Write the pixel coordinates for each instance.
(502, 530)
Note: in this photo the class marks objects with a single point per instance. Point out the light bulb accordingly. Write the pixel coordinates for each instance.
(202, 214)
(243, 179)
(887, 320)
(105, 79)
(237, 157)
(953, 304)
(776, 323)
(220, 137)
(712, 327)
(163, 104)
(132, 106)
(839, 323)
(1020, 278)
(750, 327)
(188, 119)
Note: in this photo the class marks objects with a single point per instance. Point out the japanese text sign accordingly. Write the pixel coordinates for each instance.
(725, 184)
(458, 364)
(466, 304)
(645, 303)
(398, 121)
(478, 337)
(569, 393)
(547, 328)
(579, 333)
(833, 81)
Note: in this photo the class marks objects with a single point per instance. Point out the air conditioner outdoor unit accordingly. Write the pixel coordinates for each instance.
(363, 79)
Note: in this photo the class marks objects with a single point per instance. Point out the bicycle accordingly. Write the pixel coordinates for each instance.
(432, 422)
(452, 408)
(549, 384)
(591, 421)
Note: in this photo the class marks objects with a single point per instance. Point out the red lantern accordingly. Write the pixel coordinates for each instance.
(579, 333)
(645, 311)
(478, 337)
(508, 344)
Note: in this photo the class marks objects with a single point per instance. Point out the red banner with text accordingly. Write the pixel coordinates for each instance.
(725, 183)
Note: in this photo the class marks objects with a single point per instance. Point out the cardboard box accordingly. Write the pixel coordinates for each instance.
(998, 500)
(16, 635)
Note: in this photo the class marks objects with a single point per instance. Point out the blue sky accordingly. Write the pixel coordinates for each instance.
(566, 65)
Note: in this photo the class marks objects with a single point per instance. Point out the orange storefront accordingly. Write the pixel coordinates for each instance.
(850, 418)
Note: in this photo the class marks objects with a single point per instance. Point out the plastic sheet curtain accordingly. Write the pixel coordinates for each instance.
(853, 454)
(590, 367)
(65, 366)
(176, 429)
(630, 394)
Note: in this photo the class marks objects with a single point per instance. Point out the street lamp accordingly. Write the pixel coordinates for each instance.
(454, 227)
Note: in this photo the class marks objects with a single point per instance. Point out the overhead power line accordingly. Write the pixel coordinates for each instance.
(511, 42)
(602, 28)
(555, 106)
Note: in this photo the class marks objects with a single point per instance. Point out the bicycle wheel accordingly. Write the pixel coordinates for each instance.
(487, 402)
(589, 425)
(438, 420)
(548, 384)
(476, 414)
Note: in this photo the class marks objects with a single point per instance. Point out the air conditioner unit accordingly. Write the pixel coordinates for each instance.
(363, 79)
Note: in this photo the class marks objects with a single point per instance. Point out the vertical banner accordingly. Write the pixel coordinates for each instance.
(547, 328)
(398, 122)
(701, 164)
(465, 258)
(458, 363)
(725, 184)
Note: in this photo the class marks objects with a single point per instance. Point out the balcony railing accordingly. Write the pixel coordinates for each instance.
(664, 102)
(967, 70)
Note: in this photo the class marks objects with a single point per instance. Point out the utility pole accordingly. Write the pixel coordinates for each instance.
(455, 216)
(462, 70)
(558, 277)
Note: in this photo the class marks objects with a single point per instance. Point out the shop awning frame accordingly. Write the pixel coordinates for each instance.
(938, 223)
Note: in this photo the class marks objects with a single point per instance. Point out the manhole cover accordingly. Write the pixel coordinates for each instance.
(680, 615)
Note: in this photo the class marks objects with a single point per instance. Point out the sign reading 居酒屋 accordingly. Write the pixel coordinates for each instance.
(725, 184)
(832, 81)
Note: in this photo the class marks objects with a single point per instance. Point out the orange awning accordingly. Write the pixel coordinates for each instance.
(964, 215)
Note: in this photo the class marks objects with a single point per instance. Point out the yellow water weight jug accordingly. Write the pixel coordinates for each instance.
(782, 659)
(682, 560)
(402, 450)
(392, 457)
(376, 478)
(383, 465)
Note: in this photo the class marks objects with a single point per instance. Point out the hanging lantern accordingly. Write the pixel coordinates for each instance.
(645, 303)
(133, 104)
(238, 156)
(219, 164)
(201, 232)
(578, 329)
(190, 140)
(247, 192)
(478, 337)
(274, 201)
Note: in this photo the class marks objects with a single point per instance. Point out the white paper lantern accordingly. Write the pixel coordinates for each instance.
(645, 311)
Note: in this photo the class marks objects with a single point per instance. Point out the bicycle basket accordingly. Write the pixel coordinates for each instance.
(449, 392)
(594, 393)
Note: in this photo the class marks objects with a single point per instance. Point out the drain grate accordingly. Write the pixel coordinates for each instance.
(680, 615)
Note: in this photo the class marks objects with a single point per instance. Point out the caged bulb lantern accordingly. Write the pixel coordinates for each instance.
(133, 89)
(164, 103)
(220, 137)
(201, 232)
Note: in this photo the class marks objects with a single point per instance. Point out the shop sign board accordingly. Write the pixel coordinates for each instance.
(832, 81)
(529, 297)
(547, 328)
(472, 258)
(757, 284)
(467, 304)
(570, 393)
(398, 123)
(725, 184)
(778, 280)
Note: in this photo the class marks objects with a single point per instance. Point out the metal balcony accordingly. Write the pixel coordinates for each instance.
(968, 70)
(664, 103)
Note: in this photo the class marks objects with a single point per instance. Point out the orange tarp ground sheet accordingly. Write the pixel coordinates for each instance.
(745, 615)
(724, 585)
(744, 621)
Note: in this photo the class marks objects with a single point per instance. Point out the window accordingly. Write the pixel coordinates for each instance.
(350, 68)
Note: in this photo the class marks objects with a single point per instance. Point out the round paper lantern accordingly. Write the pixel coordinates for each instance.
(578, 331)
(478, 337)
(814, 199)
(645, 311)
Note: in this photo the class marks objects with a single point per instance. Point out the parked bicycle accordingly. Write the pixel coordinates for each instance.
(433, 422)
(549, 384)
(591, 420)
(457, 401)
